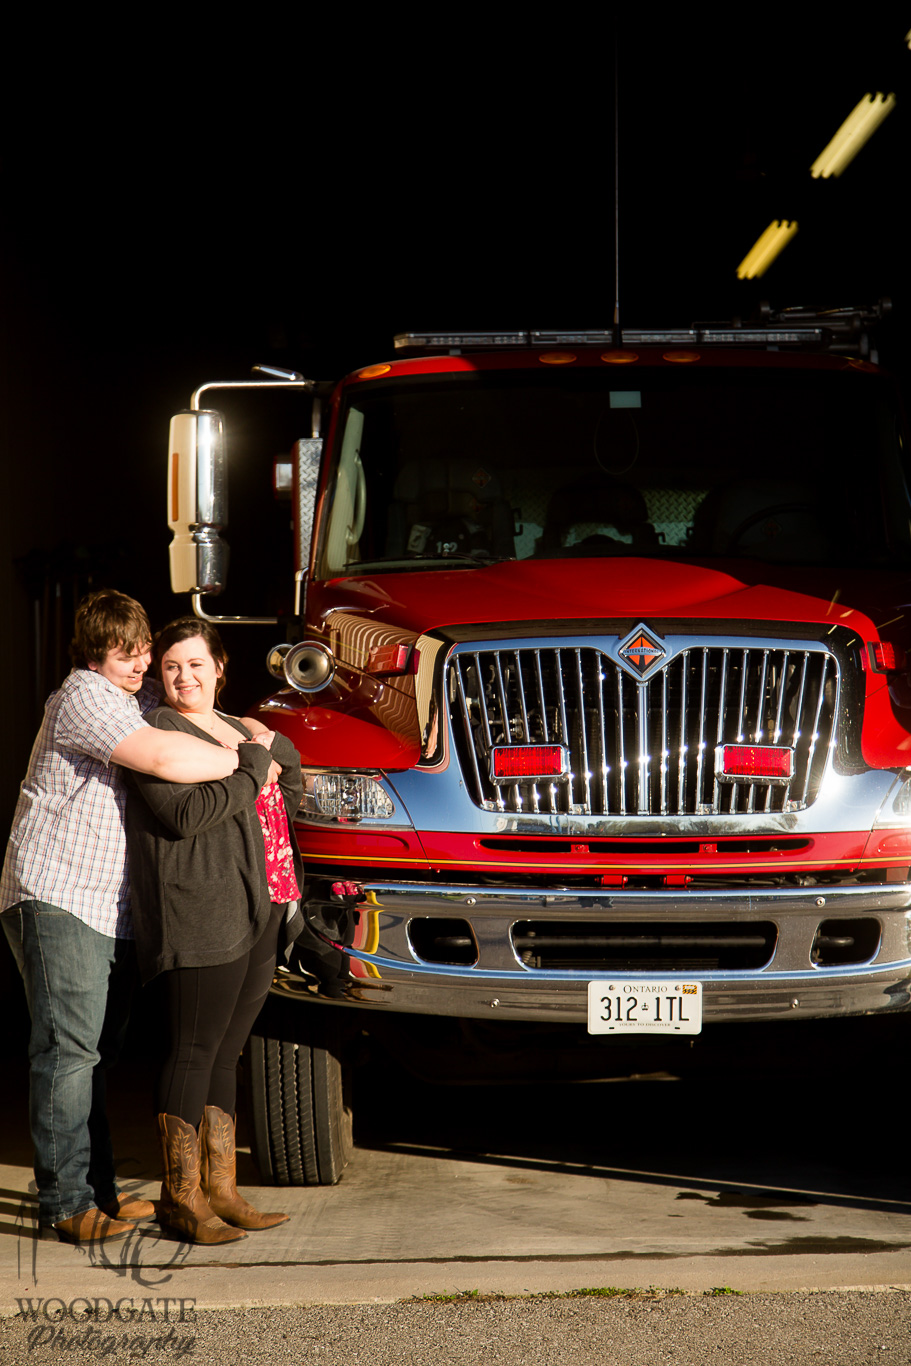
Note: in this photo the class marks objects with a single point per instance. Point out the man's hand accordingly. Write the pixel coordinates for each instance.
(253, 726)
(263, 737)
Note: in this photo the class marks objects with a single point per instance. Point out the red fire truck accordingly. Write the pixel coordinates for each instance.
(597, 673)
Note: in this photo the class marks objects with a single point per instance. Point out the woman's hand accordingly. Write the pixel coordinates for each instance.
(275, 772)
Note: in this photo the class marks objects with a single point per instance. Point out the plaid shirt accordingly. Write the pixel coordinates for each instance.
(67, 845)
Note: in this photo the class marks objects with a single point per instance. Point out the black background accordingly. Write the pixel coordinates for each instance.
(181, 202)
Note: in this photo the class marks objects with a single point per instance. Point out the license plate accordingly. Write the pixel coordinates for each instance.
(644, 1007)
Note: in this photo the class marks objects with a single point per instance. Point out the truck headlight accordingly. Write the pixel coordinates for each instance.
(337, 795)
(896, 809)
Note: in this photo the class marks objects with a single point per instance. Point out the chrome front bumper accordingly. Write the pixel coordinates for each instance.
(370, 963)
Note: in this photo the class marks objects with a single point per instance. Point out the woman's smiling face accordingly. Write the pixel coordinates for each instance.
(189, 674)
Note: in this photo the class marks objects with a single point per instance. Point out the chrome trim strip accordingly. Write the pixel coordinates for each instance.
(845, 802)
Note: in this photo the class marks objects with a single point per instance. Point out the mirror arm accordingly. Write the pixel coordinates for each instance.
(199, 611)
(305, 384)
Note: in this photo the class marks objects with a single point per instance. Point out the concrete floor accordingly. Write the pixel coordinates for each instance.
(702, 1182)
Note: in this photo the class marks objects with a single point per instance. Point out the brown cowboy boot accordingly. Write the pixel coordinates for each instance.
(92, 1226)
(128, 1207)
(219, 1173)
(183, 1206)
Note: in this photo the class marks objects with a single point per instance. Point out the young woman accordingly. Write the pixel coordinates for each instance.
(216, 878)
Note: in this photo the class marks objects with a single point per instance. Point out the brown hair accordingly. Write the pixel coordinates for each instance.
(185, 628)
(105, 621)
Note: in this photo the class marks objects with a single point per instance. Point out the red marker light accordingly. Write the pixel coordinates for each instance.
(514, 763)
(885, 657)
(388, 659)
(757, 762)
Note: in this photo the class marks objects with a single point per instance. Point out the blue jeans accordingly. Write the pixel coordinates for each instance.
(78, 984)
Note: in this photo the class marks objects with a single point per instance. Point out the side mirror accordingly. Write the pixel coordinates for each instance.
(197, 502)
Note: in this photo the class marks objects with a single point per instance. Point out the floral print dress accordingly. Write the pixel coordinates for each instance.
(273, 818)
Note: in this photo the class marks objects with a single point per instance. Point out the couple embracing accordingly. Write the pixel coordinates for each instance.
(194, 809)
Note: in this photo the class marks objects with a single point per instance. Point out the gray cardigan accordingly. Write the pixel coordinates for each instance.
(197, 857)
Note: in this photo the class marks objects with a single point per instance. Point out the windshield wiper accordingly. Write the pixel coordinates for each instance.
(458, 559)
(472, 557)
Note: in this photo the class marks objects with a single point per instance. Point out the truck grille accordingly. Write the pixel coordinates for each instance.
(644, 748)
(637, 947)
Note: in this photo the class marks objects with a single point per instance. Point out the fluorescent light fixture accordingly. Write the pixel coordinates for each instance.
(861, 123)
(766, 248)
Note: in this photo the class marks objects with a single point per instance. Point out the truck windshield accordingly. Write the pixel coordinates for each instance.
(797, 467)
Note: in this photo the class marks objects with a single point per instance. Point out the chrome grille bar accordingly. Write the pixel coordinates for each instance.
(814, 735)
(719, 729)
(700, 752)
(621, 749)
(665, 757)
(643, 766)
(681, 732)
(583, 729)
(799, 709)
(602, 734)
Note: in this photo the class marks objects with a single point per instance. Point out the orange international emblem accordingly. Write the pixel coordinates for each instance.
(642, 650)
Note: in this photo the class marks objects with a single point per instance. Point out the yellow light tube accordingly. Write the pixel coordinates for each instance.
(861, 123)
(763, 252)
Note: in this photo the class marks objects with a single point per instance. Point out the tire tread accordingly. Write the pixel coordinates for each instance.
(301, 1118)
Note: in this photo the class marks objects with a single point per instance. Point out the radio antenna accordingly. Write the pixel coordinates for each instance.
(616, 328)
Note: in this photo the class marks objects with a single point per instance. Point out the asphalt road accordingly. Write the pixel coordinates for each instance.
(827, 1329)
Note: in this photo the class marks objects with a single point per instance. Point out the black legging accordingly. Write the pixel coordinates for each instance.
(210, 1013)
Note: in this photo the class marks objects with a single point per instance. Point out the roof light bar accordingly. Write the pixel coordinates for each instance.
(745, 335)
(598, 337)
(839, 329)
(858, 127)
(442, 340)
(667, 337)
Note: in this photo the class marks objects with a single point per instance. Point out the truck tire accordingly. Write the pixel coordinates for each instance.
(297, 1084)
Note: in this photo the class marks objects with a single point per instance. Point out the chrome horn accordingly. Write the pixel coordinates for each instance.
(308, 666)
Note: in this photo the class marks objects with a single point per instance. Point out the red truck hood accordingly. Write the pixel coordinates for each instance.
(571, 590)
(368, 717)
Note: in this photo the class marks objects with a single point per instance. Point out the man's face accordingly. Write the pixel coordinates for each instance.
(125, 670)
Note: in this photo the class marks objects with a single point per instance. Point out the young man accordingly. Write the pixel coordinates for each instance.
(64, 898)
